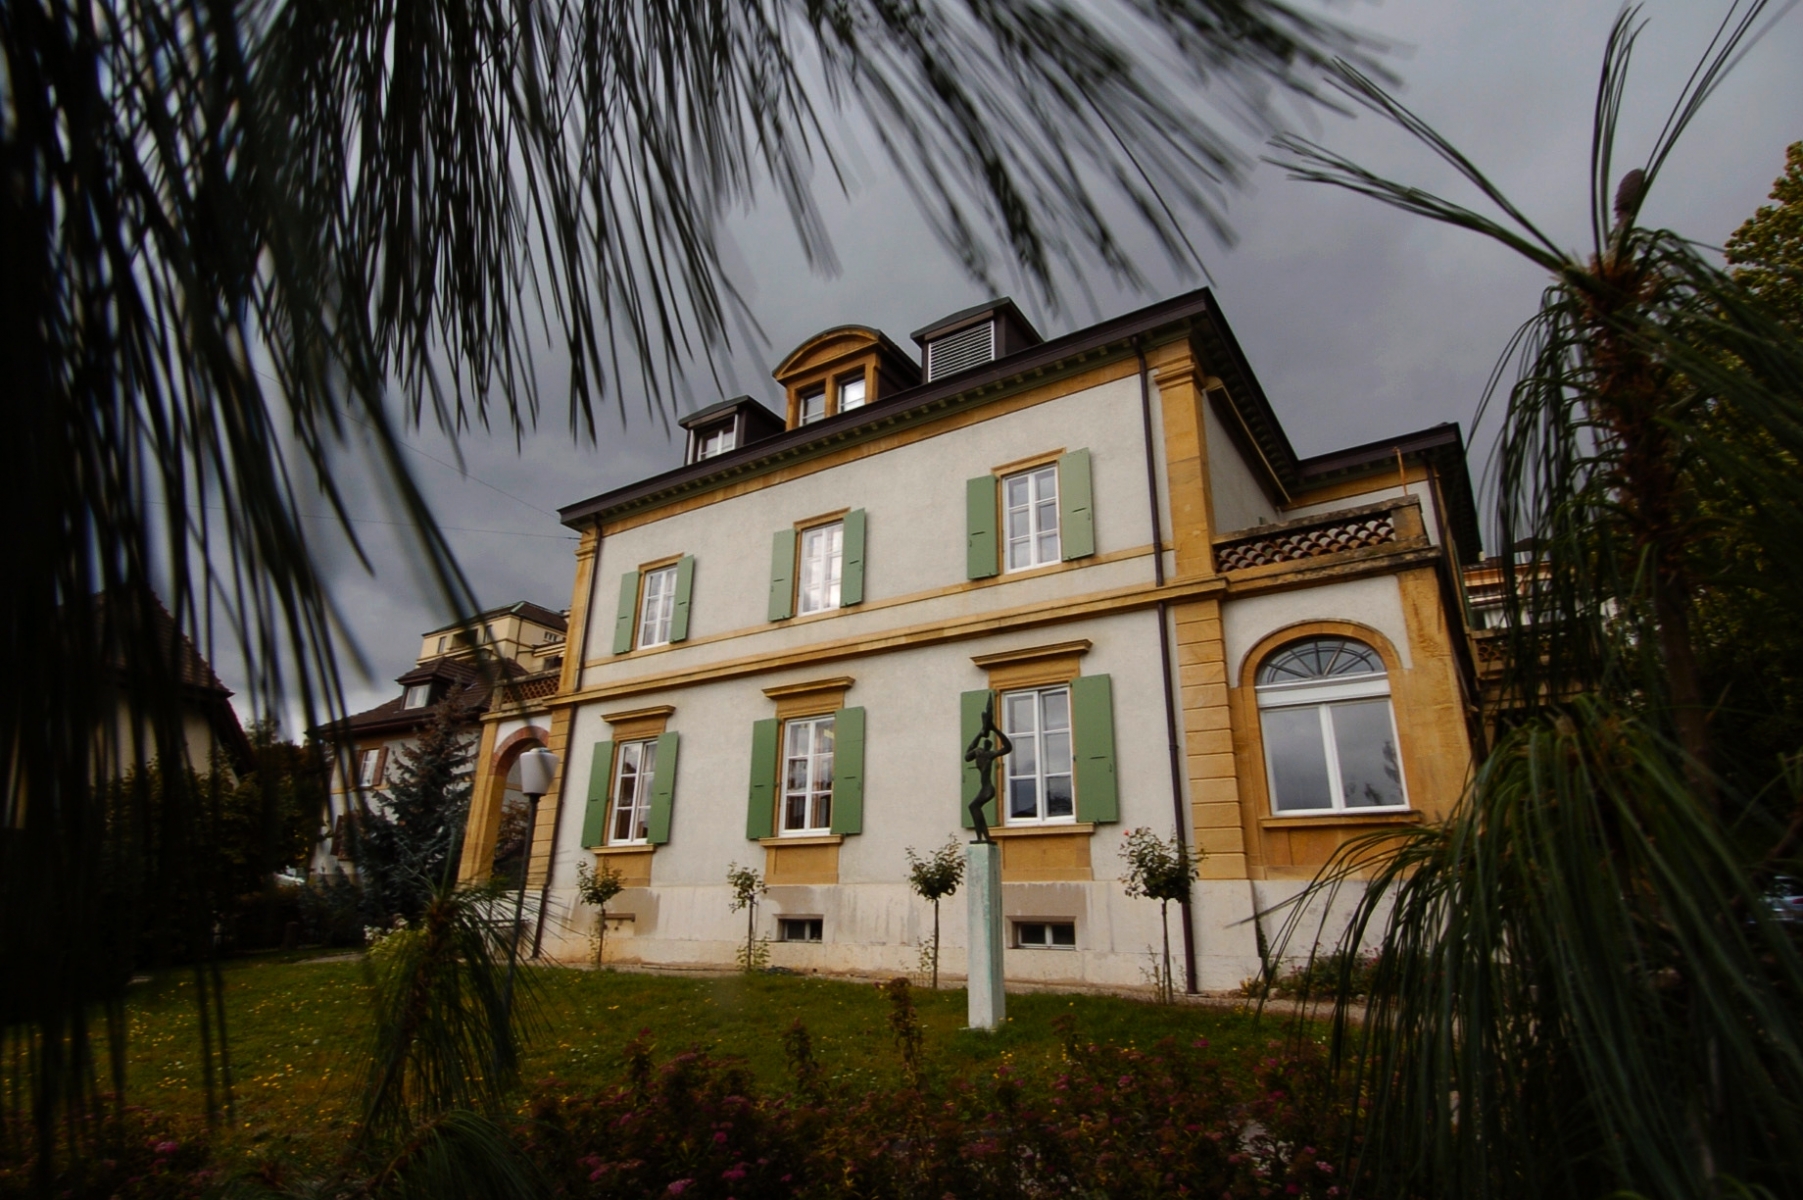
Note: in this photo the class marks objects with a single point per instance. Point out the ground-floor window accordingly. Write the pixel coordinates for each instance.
(1038, 723)
(808, 776)
(799, 929)
(1045, 935)
(1329, 734)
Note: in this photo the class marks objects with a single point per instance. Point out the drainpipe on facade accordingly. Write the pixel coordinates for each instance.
(1164, 658)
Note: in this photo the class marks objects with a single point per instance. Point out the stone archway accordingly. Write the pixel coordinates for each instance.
(488, 802)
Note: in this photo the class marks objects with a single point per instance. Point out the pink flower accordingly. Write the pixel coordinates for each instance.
(679, 1187)
(719, 1139)
(1126, 1081)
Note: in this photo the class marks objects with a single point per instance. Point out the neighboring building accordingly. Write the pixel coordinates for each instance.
(514, 651)
(211, 732)
(780, 650)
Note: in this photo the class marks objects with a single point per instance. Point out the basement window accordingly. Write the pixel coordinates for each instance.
(799, 929)
(1045, 935)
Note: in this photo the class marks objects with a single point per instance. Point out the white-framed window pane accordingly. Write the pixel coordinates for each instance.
(658, 606)
(822, 561)
(1030, 500)
(810, 408)
(1370, 774)
(808, 776)
(1039, 768)
(1297, 753)
(366, 769)
(417, 695)
(716, 439)
(851, 394)
(634, 774)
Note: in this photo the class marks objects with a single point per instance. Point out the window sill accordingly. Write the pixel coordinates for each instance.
(1343, 817)
(1007, 831)
(644, 848)
(811, 839)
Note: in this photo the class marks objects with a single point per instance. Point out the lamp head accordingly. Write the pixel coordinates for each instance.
(537, 769)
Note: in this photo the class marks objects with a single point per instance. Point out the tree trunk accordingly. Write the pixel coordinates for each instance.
(935, 943)
(1164, 985)
(601, 938)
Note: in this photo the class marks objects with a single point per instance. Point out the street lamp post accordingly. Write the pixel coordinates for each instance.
(537, 769)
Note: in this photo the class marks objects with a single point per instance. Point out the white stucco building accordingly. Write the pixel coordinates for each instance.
(779, 651)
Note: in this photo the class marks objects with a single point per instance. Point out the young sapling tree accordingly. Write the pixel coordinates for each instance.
(597, 887)
(933, 878)
(1160, 870)
(747, 885)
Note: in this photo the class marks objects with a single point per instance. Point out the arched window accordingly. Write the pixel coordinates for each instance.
(1330, 738)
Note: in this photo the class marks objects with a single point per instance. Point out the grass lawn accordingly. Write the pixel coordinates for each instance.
(296, 1029)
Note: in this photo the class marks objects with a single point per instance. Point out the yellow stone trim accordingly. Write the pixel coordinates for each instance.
(969, 585)
(632, 862)
(1014, 831)
(1002, 658)
(822, 839)
(1028, 463)
(826, 518)
(812, 699)
(788, 861)
(639, 714)
(1028, 616)
(1061, 857)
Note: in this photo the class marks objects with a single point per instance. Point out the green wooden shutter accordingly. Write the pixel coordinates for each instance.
(1076, 506)
(970, 713)
(600, 777)
(629, 610)
(851, 566)
(685, 584)
(848, 771)
(663, 789)
(760, 809)
(782, 575)
(1092, 720)
(980, 559)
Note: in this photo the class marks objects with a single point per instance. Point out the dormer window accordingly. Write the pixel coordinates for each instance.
(418, 695)
(810, 406)
(851, 393)
(714, 440)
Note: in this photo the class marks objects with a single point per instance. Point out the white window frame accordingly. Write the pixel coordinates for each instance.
(1040, 503)
(657, 606)
(810, 925)
(846, 399)
(417, 695)
(802, 403)
(636, 807)
(1021, 943)
(714, 440)
(820, 567)
(816, 791)
(1037, 738)
(366, 768)
(1323, 696)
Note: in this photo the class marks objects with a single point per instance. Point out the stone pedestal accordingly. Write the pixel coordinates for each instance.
(983, 886)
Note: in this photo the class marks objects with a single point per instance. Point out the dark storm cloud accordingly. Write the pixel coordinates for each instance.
(1360, 322)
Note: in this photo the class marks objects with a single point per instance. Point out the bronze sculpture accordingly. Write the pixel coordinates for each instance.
(984, 753)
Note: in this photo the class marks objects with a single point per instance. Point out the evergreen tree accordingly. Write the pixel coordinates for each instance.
(408, 846)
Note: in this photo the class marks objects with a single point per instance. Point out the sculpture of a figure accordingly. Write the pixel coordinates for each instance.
(983, 752)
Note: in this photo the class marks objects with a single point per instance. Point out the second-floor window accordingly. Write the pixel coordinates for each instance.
(633, 777)
(369, 768)
(1030, 517)
(810, 407)
(658, 606)
(1038, 722)
(851, 393)
(808, 776)
(822, 559)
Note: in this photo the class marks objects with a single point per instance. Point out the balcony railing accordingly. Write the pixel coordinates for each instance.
(1317, 537)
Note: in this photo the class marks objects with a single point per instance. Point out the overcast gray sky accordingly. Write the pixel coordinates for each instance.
(1361, 322)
